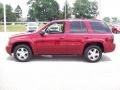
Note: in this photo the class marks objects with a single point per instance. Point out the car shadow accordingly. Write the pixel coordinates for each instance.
(105, 58)
(58, 58)
(67, 58)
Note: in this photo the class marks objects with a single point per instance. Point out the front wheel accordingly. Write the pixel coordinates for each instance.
(93, 53)
(22, 53)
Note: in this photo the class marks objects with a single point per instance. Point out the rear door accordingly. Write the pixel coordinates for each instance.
(76, 37)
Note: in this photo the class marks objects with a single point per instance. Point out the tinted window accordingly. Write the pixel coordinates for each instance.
(100, 27)
(83, 27)
(77, 27)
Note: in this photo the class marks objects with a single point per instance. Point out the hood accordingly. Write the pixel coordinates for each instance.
(27, 34)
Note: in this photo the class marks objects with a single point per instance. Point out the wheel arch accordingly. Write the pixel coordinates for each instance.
(94, 43)
(19, 43)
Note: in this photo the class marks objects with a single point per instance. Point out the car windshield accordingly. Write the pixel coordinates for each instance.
(41, 26)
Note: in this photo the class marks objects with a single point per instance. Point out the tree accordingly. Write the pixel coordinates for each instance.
(85, 9)
(1, 11)
(18, 12)
(60, 15)
(114, 19)
(106, 19)
(43, 10)
(31, 15)
(10, 16)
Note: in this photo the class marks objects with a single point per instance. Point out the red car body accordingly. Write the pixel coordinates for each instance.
(65, 43)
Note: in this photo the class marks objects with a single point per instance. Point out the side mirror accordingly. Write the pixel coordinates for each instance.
(42, 33)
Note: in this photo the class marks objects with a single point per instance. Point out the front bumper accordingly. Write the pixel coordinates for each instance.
(9, 49)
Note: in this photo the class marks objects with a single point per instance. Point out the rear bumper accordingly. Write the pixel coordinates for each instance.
(110, 48)
(9, 49)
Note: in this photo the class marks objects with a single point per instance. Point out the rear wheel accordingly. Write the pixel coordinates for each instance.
(22, 53)
(93, 53)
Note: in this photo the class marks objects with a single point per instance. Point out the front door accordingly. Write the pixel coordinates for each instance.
(53, 42)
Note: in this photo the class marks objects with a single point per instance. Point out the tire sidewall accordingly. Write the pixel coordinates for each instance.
(90, 47)
(22, 46)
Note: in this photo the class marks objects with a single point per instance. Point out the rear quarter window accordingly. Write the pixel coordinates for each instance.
(100, 27)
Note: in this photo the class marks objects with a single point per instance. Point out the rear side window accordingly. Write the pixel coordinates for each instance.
(100, 27)
(77, 27)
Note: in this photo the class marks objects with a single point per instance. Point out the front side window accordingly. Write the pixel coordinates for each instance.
(77, 27)
(55, 28)
(100, 27)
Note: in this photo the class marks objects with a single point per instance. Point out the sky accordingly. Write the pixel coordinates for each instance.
(108, 8)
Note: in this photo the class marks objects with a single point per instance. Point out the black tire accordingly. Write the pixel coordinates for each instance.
(91, 48)
(25, 48)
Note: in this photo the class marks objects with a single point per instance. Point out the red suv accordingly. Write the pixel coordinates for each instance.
(64, 37)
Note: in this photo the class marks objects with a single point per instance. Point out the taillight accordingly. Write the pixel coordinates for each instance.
(110, 39)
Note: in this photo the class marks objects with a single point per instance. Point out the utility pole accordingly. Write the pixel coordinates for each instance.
(65, 9)
(100, 9)
(4, 7)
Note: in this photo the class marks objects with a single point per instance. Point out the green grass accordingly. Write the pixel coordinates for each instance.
(1, 28)
(13, 28)
(16, 28)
